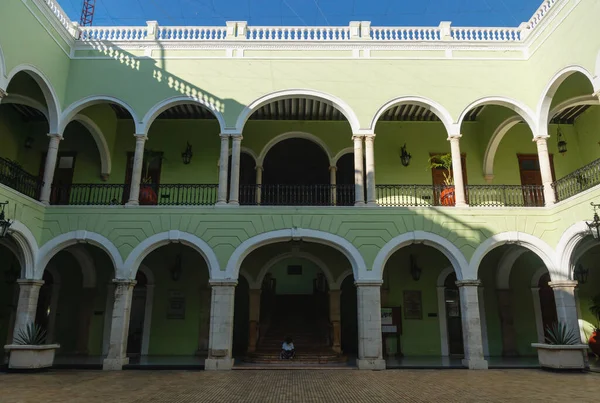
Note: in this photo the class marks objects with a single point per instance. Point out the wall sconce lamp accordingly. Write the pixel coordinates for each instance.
(580, 274)
(177, 268)
(594, 226)
(415, 271)
(4, 222)
(405, 156)
(187, 155)
(561, 143)
(29, 142)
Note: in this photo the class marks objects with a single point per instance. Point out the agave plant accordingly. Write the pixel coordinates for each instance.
(31, 335)
(560, 334)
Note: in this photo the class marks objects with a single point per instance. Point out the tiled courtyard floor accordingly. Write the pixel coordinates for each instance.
(300, 386)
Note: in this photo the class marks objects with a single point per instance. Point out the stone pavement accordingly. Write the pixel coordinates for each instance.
(300, 386)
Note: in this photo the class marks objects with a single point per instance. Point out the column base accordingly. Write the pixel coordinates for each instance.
(218, 364)
(359, 204)
(477, 363)
(461, 205)
(372, 204)
(114, 364)
(372, 364)
(221, 203)
(132, 203)
(234, 203)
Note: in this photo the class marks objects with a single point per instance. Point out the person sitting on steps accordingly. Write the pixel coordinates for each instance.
(287, 349)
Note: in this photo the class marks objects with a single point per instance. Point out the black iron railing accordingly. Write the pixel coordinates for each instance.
(89, 194)
(505, 195)
(577, 181)
(15, 177)
(297, 195)
(414, 195)
(187, 194)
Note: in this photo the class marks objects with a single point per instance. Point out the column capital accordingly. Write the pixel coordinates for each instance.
(222, 283)
(236, 137)
(541, 139)
(454, 137)
(55, 135)
(30, 282)
(124, 282)
(3, 93)
(224, 136)
(357, 137)
(140, 137)
(255, 291)
(563, 284)
(369, 137)
(468, 283)
(332, 168)
(368, 283)
(259, 168)
(335, 292)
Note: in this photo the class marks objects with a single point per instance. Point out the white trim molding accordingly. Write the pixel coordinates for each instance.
(72, 110)
(494, 143)
(567, 246)
(519, 107)
(27, 246)
(292, 135)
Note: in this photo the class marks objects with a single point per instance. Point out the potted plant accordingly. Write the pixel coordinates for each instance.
(29, 351)
(563, 349)
(444, 161)
(594, 340)
(148, 194)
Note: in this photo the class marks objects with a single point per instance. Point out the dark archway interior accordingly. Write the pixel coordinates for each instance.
(345, 169)
(349, 316)
(296, 162)
(241, 317)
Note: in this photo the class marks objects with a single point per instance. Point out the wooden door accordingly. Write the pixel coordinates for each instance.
(437, 177)
(63, 176)
(529, 169)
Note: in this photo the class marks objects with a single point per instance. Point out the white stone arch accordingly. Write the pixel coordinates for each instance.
(292, 135)
(137, 255)
(168, 103)
(357, 262)
(27, 101)
(14, 248)
(567, 246)
(86, 265)
(505, 265)
(55, 245)
(519, 107)
(3, 78)
(249, 151)
(52, 100)
(336, 102)
(72, 110)
(429, 104)
(340, 154)
(590, 100)
(454, 255)
(534, 244)
(342, 277)
(494, 143)
(251, 283)
(543, 108)
(28, 247)
(300, 255)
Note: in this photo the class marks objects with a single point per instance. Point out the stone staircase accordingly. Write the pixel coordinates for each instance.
(300, 317)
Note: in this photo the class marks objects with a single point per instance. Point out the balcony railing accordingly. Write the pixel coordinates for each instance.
(89, 194)
(187, 194)
(15, 177)
(578, 181)
(410, 195)
(505, 195)
(297, 195)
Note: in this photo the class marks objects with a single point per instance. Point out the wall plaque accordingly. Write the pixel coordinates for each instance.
(413, 308)
(176, 308)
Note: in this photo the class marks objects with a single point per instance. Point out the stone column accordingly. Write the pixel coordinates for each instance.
(537, 308)
(136, 173)
(221, 326)
(234, 184)
(471, 324)
(86, 311)
(148, 307)
(254, 324)
(259, 174)
(333, 183)
(370, 355)
(545, 169)
(457, 172)
(223, 170)
(119, 329)
(29, 291)
(370, 163)
(335, 318)
(203, 334)
(566, 306)
(507, 325)
(359, 191)
(50, 167)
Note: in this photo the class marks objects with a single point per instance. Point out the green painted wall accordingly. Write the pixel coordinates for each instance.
(294, 284)
(587, 133)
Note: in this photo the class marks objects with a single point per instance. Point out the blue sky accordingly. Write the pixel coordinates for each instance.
(309, 12)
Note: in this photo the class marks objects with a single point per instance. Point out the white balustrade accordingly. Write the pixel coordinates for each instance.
(540, 13)
(405, 33)
(486, 34)
(113, 33)
(59, 13)
(191, 33)
(298, 33)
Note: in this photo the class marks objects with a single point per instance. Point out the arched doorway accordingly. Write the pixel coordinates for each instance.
(135, 335)
(349, 316)
(248, 189)
(9, 290)
(296, 172)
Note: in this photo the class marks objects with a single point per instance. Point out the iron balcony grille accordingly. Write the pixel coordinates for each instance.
(576, 182)
(297, 195)
(505, 195)
(15, 177)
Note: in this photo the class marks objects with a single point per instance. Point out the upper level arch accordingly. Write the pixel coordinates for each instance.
(292, 135)
(441, 112)
(168, 103)
(69, 114)
(52, 102)
(545, 102)
(28, 248)
(3, 78)
(519, 107)
(454, 255)
(297, 234)
(334, 101)
(567, 245)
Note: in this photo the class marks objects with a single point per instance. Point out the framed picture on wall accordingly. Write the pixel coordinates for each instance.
(413, 308)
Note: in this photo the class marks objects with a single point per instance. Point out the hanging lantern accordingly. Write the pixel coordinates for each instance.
(4, 222)
(186, 156)
(562, 144)
(415, 271)
(405, 156)
(594, 226)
